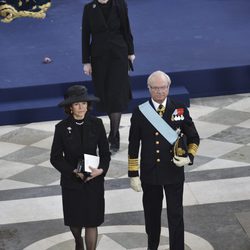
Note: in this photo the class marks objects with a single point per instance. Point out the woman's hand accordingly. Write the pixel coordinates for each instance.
(87, 69)
(94, 173)
(79, 174)
(131, 57)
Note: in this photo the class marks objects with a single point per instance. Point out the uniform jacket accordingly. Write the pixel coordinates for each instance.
(156, 166)
(99, 35)
(68, 146)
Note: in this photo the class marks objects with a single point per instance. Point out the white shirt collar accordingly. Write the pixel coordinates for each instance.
(156, 104)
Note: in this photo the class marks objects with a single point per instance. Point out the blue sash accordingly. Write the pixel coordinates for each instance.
(161, 125)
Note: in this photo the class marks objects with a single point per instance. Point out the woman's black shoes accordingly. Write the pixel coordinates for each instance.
(114, 142)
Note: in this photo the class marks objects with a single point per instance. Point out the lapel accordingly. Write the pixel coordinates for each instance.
(168, 110)
(96, 14)
(99, 15)
(75, 133)
(113, 12)
(151, 103)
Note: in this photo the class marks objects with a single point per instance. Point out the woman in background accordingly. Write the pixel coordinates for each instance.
(82, 193)
(107, 45)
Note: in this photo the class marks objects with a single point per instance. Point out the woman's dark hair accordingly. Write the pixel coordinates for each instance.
(67, 109)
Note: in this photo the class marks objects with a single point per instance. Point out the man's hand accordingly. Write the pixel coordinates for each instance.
(87, 69)
(135, 183)
(131, 58)
(181, 161)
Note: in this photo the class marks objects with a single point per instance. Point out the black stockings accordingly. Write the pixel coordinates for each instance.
(77, 233)
(91, 235)
(91, 238)
(115, 119)
(114, 136)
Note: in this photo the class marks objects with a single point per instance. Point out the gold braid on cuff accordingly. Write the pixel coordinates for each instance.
(192, 148)
(133, 164)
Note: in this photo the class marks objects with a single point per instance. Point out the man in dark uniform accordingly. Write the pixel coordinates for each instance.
(161, 169)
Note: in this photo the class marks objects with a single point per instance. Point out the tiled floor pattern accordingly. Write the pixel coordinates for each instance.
(216, 197)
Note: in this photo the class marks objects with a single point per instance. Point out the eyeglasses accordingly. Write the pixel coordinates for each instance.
(163, 88)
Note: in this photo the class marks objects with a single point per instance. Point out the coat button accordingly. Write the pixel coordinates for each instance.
(157, 151)
(156, 133)
(157, 142)
(158, 160)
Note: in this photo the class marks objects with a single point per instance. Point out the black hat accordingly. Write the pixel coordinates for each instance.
(77, 93)
(180, 146)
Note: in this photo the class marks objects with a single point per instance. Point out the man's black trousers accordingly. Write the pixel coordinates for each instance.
(152, 203)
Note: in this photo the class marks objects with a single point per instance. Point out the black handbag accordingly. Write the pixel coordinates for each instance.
(81, 167)
(130, 65)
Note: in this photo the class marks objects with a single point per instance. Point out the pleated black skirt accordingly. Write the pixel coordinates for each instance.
(84, 207)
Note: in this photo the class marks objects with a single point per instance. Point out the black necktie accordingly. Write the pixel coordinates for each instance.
(161, 110)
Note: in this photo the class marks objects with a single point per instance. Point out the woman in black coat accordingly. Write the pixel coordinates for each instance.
(107, 45)
(82, 192)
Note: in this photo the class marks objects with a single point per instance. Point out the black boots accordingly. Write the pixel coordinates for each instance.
(114, 142)
(79, 244)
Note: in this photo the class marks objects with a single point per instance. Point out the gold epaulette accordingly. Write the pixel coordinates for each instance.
(133, 164)
(192, 148)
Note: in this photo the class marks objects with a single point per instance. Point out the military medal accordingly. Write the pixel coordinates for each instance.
(178, 115)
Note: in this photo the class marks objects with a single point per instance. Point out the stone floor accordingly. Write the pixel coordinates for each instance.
(216, 196)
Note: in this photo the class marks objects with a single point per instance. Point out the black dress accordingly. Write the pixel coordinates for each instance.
(106, 44)
(83, 203)
(84, 207)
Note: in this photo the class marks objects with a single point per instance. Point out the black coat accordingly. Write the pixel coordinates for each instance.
(156, 166)
(106, 44)
(69, 146)
(98, 35)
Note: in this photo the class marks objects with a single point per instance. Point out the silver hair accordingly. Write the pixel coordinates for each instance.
(161, 74)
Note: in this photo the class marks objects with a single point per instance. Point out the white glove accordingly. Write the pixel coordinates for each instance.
(181, 161)
(135, 183)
